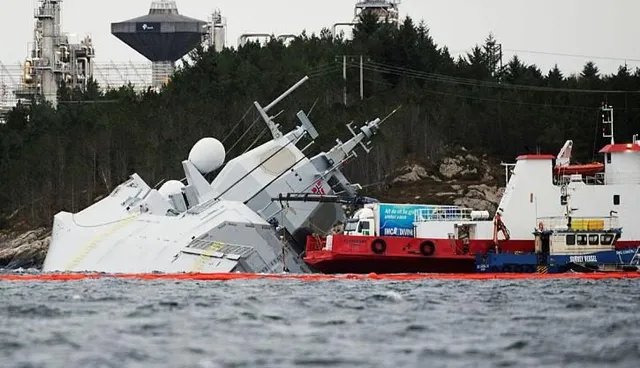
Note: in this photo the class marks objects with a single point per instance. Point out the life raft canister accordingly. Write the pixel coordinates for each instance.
(378, 246)
(427, 248)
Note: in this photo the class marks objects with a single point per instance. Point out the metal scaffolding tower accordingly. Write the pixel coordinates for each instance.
(53, 59)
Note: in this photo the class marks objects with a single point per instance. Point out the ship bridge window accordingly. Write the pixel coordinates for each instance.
(363, 228)
(571, 239)
(581, 239)
(616, 199)
(606, 239)
(593, 239)
(351, 225)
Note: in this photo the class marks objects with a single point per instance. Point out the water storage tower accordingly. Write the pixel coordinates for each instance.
(162, 36)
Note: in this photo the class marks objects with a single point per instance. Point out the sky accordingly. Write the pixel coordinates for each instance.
(603, 29)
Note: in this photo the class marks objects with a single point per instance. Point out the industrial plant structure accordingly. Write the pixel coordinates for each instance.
(163, 36)
(384, 10)
(53, 59)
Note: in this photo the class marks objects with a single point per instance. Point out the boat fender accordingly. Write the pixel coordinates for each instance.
(540, 226)
(629, 268)
(378, 246)
(427, 248)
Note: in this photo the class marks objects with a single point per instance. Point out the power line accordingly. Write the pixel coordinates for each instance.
(391, 69)
(551, 53)
(572, 55)
(494, 100)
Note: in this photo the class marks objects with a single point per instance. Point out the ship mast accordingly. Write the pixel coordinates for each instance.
(607, 118)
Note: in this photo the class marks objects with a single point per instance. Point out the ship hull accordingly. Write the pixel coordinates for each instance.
(199, 241)
(534, 263)
(366, 254)
(335, 263)
(356, 254)
(528, 246)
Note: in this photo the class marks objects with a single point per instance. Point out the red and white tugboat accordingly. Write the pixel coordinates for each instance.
(380, 238)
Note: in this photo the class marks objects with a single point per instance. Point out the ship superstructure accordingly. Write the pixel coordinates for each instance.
(280, 166)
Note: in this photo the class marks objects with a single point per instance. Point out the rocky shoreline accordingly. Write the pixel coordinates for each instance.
(24, 250)
(461, 179)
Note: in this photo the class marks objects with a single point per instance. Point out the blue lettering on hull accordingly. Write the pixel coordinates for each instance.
(395, 231)
(608, 257)
(582, 259)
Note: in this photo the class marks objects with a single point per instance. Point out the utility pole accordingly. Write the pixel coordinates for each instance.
(344, 77)
(361, 80)
(500, 56)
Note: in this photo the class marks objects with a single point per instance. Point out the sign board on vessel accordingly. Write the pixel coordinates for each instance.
(397, 219)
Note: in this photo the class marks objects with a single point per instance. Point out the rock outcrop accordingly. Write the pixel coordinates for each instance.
(24, 250)
(460, 178)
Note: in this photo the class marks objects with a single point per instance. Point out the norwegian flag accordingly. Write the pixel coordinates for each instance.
(317, 188)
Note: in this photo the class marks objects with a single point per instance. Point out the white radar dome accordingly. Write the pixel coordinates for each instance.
(207, 155)
(170, 187)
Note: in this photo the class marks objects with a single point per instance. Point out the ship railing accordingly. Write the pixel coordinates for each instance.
(443, 213)
(591, 223)
(600, 178)
(315, 243)
(597, 179)
(622, 178)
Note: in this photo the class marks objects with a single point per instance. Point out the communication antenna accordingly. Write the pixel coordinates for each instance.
(607, 118)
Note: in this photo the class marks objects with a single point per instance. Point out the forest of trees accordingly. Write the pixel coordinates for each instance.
(64, 158)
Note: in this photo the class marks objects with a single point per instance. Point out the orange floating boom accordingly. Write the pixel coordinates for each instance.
(320, 277)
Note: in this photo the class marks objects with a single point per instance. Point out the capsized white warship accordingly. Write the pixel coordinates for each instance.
(229, 225)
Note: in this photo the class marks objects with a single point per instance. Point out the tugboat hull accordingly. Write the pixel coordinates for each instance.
(369, 254)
